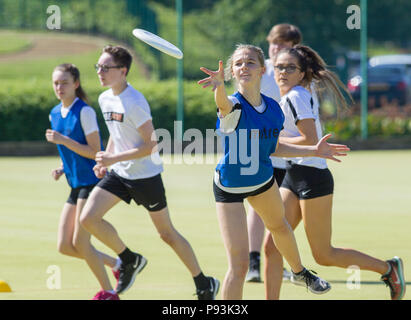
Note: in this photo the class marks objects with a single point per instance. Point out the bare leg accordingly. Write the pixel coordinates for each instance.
(316, 215)
(66, 229)
(270, 208)
(97, 205)
(273, 267)
(175, 240)
(255, 230)
(233, 226)
(94, 259)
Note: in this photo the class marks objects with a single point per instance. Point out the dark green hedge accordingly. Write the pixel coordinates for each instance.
(24, 112)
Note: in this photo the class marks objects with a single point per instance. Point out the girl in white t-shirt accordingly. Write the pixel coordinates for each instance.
(307, 189)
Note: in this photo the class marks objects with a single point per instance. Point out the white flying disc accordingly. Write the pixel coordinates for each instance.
(158, 43)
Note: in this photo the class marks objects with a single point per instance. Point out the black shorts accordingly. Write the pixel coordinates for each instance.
(148, 192)
(308, 182)
(227, 197)
(79, 193)
(279, 175)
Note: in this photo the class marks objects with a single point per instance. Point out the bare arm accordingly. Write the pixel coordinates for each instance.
(216, 79)
(322, 149)
(88, 150)
(308, 134)
(110, 145)
(106, 158)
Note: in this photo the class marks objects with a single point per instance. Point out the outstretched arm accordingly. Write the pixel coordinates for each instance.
(216, 80)
(322, 149)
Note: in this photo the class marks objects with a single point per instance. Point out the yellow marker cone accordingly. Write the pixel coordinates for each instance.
(4, 287)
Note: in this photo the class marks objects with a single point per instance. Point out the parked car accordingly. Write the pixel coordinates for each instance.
(390, 82)
(402, 59)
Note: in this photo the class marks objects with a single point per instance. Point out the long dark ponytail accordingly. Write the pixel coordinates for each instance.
(316, 71)
(75, 73)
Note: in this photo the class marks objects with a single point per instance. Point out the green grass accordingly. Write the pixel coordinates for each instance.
(11, 42)
(371, 214)
(36, 72)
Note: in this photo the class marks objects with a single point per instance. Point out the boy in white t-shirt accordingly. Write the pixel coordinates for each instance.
(135, 175)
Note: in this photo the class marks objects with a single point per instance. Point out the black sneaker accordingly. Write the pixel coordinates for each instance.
(128, 273)
(312, 282)
(211, 292)
(395, 278)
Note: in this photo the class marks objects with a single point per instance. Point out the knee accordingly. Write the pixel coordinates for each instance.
(239, 267)
(323, 257)
(86, 221)
(168, 237)
(65, 248)
(270, 250)
(81, 247)
(280, 227)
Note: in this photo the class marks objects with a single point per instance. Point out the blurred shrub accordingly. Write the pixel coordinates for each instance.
(378, 126)
(24, 111)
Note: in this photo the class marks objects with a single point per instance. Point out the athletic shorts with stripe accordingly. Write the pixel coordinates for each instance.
(148, 192)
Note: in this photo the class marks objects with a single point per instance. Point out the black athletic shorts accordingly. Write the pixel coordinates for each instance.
(79, 193)
(308, 182)
(148, 192)
(279, 175)
(227, 197)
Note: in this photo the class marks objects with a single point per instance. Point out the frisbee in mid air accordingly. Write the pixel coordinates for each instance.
(158, 43)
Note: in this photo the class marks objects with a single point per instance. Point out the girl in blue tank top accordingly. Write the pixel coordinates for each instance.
(250, 124)
(75, 132)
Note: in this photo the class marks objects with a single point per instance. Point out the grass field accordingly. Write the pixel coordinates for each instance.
(371, 214)
(30, 58)
(13, 42)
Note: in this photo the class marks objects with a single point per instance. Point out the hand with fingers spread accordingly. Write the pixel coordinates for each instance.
(330, 150)
(215, 79)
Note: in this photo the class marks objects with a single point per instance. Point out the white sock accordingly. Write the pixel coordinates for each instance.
(117, 266)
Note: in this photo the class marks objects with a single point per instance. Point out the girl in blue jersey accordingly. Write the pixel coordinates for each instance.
(75, 131)
(307, 189)
(249, 123)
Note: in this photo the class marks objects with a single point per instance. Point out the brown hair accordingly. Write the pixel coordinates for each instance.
(75, 73)
(229, 66)
(316, 70)
(120, 55)
(285, 32)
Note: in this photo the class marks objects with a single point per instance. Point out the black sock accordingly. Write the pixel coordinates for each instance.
(297, 274)
(255, 256)
(201, 281)
(127, 256)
